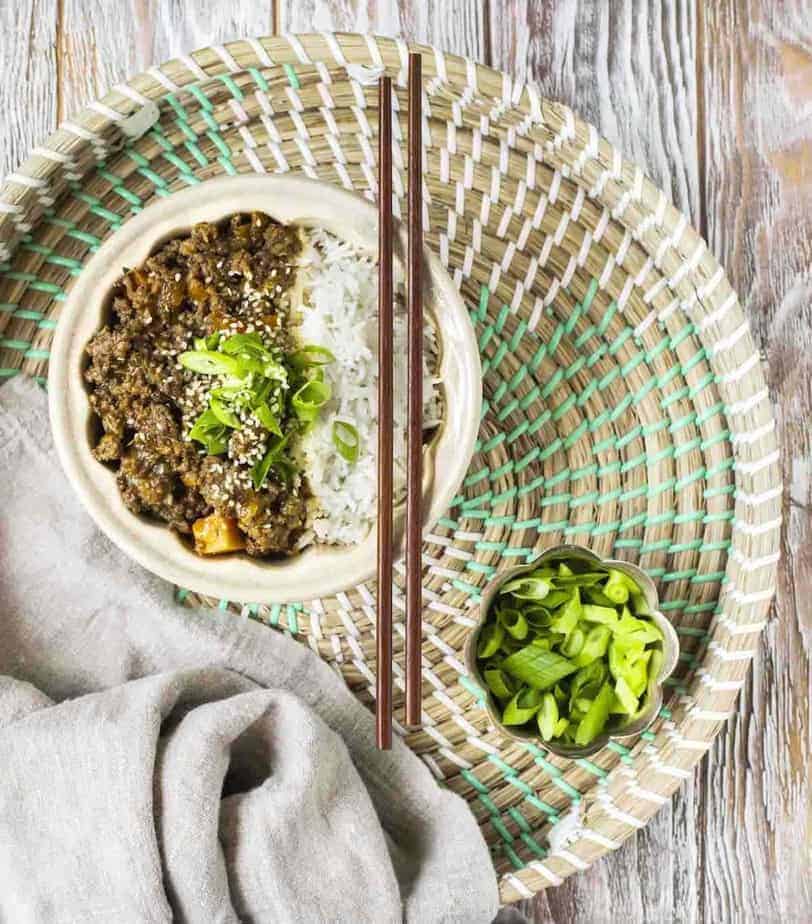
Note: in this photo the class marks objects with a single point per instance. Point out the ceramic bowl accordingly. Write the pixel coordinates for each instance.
(670, 649)
(319, 570)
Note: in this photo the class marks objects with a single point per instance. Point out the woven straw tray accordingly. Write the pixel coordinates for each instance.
(625, 406)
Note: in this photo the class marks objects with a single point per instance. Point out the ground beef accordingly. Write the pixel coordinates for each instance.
(233, 277)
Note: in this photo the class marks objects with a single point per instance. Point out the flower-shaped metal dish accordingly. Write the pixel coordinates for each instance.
(670, 649)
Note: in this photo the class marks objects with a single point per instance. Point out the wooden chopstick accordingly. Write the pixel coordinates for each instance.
(414, 410)
(383, 710)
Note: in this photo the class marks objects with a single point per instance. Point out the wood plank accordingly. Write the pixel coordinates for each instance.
(629, 68)
(755, 793)
(456, 26)
(28, 99)
(102, 43)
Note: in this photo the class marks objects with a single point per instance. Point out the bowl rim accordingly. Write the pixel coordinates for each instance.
(318, 571)
(670, 649)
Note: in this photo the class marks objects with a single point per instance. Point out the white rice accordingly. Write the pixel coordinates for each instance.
(339, 311)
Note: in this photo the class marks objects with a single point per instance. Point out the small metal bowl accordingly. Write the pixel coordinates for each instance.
(670, 649)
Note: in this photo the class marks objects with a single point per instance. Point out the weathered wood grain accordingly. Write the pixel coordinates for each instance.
(102, 43)
(754, 823)
(454, 25)
(28, 98)
(628, 67)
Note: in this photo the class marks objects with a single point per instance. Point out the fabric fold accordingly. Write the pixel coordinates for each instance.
(162, 761)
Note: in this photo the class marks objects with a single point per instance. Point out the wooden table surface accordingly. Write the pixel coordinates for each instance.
(714, 99)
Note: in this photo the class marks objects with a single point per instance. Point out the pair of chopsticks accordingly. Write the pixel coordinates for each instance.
(414, 410)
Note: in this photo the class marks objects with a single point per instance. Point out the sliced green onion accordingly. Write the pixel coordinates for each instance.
(567, 617)
(223, 413)
(626, 699)
(592, 724)
(527, 588)
(574, 642)
(210, 432)
(276, 446)
(538, 668)
(490, 640)
(285, 469)
(514, 623)
(499, 683)
(249, 345)
(311, 355)
(267, 418)
(274, 370)
(209, 362)
(570, 652)
(309, 399)
(595, 645)
(617, 587)
(346, 440)
(547, 716)
(639, 604)
(207, 343)
(524, 705)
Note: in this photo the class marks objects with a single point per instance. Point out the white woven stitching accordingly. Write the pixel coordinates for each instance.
(727, 342)
(710, 319)
(716, 685)
(708, 715)
(260, 51)
(130, 92)
(726, 654)
(757, 465)
(758, 529)
(754, 564)
(107, 111)
(226, 57)
(596, 837)
(744, 405)
(517, 885)
(297, 47)
(335, 48)
(548, 874)
(679, 773)
(193, 67)
(739, 373)
(158, 74)
(608, 804)
(571, 858)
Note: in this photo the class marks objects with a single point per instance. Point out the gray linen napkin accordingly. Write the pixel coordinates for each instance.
(164, 764)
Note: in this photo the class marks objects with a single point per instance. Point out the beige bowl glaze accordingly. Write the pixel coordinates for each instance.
(670, 649)
(319, 570)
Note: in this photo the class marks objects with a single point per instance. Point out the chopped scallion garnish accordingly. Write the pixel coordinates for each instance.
(309, 399)
(311, 355)
(570, 650)
(346, 440)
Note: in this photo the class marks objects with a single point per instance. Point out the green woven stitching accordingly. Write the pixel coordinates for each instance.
(526, 832)
(120, 189)
(189, 133)
(477, 692)
(72, 265)
(112, 218)
(592, 768)
(293, 79)
(540, 757)
(624, 752)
